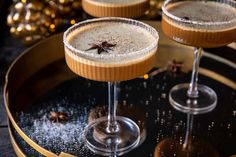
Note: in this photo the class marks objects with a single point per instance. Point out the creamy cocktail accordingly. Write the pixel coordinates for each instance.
(203, 23)
(112, 50)
(133, 52)
(116, 8)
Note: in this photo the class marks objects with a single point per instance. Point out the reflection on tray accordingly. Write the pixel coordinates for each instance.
(78, 96)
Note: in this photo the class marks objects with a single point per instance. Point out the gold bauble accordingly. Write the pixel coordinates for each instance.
(34, 20)
(31, 16)
(64, 9)
(49, 12)
(13, 30)
(31, 28)
(64, 1)
(28, 40)
(19, 6)
(35, 5)
(16, 17)
(77, 5)
(10, 19)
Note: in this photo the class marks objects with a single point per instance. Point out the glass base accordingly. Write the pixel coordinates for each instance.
(101, 142)
(205, 102)
(172, 147)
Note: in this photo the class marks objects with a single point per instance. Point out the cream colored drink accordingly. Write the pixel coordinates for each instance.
(200, 23)
(133, 50)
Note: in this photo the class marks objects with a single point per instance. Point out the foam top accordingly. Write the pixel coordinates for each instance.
(203, 11)
(127, 37)
(113, 2)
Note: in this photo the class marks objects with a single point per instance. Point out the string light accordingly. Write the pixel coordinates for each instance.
(72, 22)
(52, 26)
(146, 76)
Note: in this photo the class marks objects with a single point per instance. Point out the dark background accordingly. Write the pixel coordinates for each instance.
(9, 49)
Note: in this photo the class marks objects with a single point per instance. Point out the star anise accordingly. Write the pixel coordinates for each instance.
(58, 117)
(174, 66)
(103, 47)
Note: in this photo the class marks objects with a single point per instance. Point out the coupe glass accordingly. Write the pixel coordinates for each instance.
(112, 135)
(196, 98)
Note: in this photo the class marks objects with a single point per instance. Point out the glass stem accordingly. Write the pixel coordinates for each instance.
(113, 155)
(113, 150)
(193, 88)
(188, 135)
(112, 126)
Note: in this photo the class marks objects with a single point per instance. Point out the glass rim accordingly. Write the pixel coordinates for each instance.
(82, 53)
(201, 23)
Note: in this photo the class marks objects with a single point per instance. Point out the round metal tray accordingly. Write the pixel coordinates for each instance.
(41, 75)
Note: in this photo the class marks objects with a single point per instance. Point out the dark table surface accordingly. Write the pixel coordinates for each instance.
(10, 48)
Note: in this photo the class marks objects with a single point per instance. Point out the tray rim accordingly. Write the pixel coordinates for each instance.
(10, 116)
(34, 144)
(16, 147)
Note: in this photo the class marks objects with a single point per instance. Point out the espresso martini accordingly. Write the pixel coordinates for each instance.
(200, 23)
(116, 8)
(111, 50)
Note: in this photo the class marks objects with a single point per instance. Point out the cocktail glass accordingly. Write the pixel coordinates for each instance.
(112, 135)
(196, 98)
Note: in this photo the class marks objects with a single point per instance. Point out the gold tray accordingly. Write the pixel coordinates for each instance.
(48, 53)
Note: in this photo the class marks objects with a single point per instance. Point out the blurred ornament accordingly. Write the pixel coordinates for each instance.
(156, 4)
(33, 20)
(155, 9)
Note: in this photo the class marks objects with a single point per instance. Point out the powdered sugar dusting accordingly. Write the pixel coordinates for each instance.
(57, 137)
(203, 11)
(134, 40)
(128, 38)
